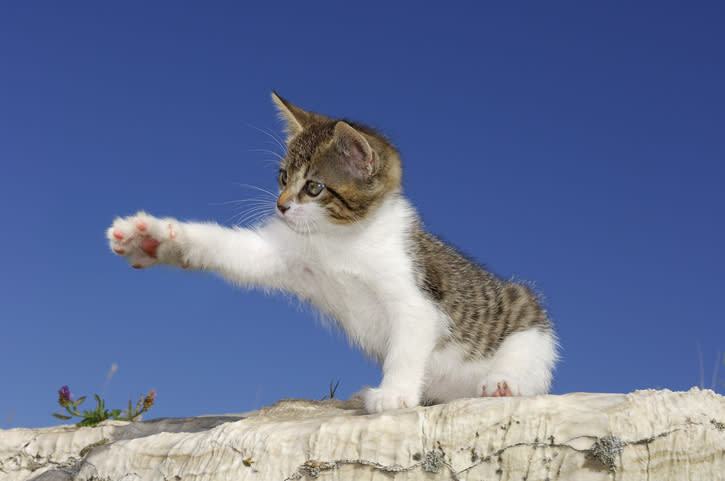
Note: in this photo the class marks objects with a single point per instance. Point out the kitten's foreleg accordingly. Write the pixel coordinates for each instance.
(241, 255)
(412, 338)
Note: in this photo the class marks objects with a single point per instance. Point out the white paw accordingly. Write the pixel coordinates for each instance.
(145, 240)
(500, 385)
(384, 399)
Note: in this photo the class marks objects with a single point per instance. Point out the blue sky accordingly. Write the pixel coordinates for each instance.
(573, 144)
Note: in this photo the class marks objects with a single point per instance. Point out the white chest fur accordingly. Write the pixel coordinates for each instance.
(356, 274)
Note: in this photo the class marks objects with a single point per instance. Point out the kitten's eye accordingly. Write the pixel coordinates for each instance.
(282, 177)
(313, 189)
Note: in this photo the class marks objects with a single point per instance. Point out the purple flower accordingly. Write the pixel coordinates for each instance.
(64, 396)
(149, 400)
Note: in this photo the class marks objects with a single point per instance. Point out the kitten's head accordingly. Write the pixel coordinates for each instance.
(334, 171)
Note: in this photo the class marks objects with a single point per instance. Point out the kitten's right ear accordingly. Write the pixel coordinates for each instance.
(295, 118)
(358, 156)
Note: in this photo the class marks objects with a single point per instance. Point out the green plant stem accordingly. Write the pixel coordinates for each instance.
(74, 412)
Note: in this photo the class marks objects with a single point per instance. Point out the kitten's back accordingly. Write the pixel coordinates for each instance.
(484, 310)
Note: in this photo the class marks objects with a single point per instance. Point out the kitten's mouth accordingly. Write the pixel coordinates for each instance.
(299, 226)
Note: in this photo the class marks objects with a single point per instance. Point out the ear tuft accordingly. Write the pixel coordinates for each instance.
(358, 156)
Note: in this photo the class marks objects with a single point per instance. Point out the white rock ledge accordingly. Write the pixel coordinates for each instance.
(658, 435)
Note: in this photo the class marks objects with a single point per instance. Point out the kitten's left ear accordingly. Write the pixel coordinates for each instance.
(295, 118)
(358, 156)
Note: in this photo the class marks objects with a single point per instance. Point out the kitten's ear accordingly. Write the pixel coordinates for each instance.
(295, 118)
(358, 157)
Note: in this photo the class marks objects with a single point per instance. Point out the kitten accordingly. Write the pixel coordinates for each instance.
(346, 240)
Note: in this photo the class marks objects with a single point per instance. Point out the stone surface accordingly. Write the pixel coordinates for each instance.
(658, 435)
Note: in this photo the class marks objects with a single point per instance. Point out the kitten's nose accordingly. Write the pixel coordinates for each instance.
(284, 201)
(283, 208)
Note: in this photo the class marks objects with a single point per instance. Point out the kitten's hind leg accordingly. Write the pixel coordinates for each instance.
(522, 366)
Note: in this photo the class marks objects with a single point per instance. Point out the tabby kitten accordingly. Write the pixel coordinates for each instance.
(346, 240)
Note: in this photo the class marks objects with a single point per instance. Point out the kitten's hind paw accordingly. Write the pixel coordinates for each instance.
(384, 399)
(145, 240)
(495, 386)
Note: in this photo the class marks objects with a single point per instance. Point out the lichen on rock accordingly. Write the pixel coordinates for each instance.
(606, 449)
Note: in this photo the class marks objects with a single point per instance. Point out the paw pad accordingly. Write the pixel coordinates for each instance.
(149, 246)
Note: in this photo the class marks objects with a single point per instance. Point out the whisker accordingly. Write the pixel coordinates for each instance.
(277, 141)
(265, 191)
(276, 154)
(257, 205)
(248, 214)
(240, 201)
(251, 215)
(251, 209)
(274, 162)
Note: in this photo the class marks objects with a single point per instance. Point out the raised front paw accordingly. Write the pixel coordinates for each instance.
(145, 240)
(384, 399)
